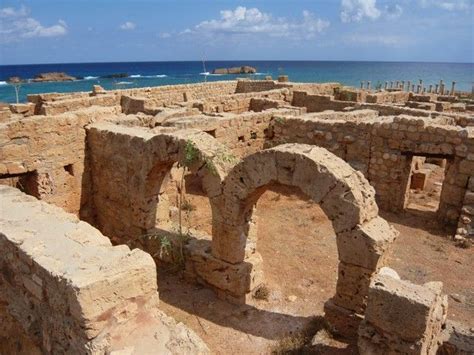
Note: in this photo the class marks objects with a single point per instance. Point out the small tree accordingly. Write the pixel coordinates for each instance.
(16, 82)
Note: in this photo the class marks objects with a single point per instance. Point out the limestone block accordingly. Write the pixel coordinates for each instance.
(366, 245)
(237, 279)
(402, 317)
(352, 287)
(350, 202)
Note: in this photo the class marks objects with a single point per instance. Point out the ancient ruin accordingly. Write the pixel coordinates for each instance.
(108, 173)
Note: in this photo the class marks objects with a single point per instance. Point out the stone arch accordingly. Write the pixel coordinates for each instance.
(129, 166)
(342, 192)
(200, 152)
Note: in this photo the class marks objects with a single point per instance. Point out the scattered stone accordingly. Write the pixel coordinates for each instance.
(292, 298)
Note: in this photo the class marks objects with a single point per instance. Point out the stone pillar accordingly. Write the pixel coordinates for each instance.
(391, 85)
(397, 84)
(368, 85)
(409, 86)
(452, 88)
(386, 85)
(431, 88)
(441, 87)
(437, 89)
(413, 87)
(421, 86)
(403, 85)
(402, 318)
(361, 84)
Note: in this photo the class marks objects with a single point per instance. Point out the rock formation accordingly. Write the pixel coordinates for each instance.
(43, 77)
(235, 70)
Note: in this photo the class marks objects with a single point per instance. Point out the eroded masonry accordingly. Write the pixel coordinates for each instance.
(78, 267)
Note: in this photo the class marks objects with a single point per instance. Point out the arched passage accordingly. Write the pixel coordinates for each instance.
(344, 195)
(130, 167)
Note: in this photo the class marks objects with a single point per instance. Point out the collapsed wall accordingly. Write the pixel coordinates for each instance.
(70, 291)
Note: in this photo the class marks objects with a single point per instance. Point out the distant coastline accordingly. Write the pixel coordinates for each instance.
(145, 74)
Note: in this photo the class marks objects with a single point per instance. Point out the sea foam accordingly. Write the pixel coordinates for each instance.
(3, 83)
(135, 76)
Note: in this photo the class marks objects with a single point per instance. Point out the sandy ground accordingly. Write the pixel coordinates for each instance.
(298, 246)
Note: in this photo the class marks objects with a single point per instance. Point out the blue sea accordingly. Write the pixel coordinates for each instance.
(145, 74)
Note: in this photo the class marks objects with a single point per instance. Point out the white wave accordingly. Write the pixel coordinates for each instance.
(148, 76)
(124, 83)
(261, 74)
(210, 74)
(90, 77)
(3, 83)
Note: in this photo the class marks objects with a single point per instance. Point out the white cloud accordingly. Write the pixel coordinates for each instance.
(244, 20)
(16, 25)
(12, 12)
(449, 5)
(357, 10)
(128, 26)
(385, 40)
(164, 35)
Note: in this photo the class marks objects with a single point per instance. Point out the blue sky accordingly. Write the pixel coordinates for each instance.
(64, 31)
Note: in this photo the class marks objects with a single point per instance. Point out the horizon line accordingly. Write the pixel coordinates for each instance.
(242, 60)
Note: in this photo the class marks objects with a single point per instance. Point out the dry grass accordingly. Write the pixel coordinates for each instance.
(262, 293)
(188, 206)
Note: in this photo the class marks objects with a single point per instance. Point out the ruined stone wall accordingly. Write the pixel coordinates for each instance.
(238, 103)
(48, 104)
(465, 227)
(63, 281)
(382, 148)
(246, 86)
(317, 102)
(243, 134)
(47, 155)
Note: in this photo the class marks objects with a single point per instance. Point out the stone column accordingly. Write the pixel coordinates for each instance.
(452, 88)
(421, 86)
(397, 84)
(431, 88)
(368, 85)
(413, 87)
(403, 85)
(441, 87)
(361, 84)
(437, 89)
(409, 86)
(391, 85)
(386, 85)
